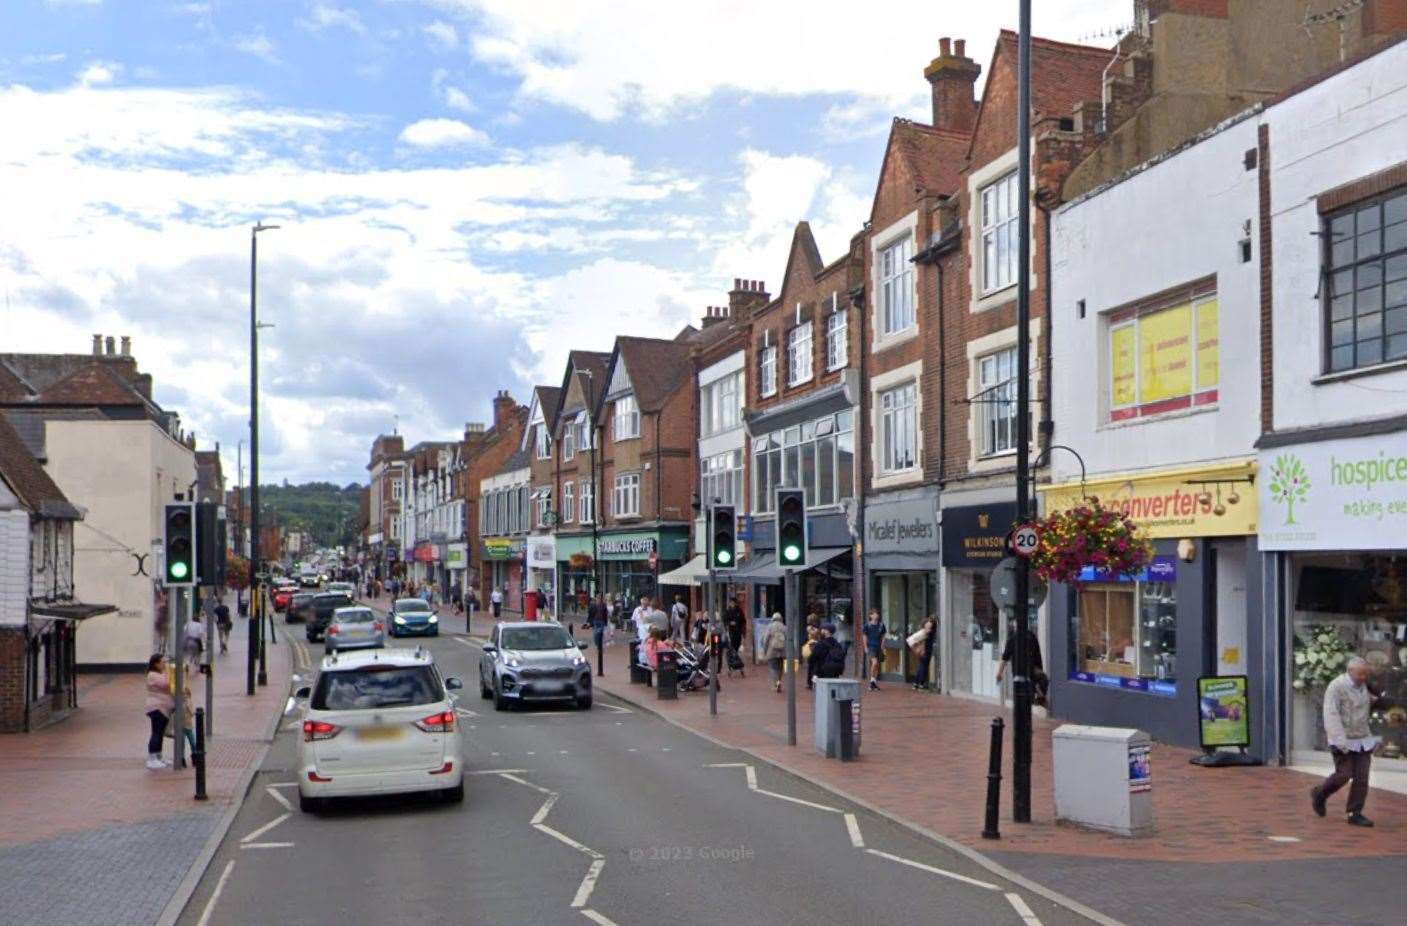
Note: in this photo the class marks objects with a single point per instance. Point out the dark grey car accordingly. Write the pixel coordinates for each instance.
(534, 661)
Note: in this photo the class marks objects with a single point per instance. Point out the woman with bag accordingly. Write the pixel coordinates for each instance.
(774, 648)
(921, 642)
(159, 705)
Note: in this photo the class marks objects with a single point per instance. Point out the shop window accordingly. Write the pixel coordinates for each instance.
(1365, 266)
(1124, 634)
(1163, 360)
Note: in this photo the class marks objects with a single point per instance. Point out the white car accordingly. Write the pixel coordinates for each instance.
(379, 722)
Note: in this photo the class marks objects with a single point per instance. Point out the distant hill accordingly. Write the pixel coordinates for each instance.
(328, 512)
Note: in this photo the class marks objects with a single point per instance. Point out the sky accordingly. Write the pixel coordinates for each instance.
(465, 189)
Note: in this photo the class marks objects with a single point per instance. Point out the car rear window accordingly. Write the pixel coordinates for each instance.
(358, 616)
(332, 601)
(377, 686)
(536, 638)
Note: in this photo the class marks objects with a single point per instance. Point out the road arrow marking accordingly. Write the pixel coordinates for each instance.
(273, 793)
(266, 827)
(1022, 910)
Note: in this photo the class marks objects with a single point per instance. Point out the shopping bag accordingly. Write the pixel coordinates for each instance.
(915, 639)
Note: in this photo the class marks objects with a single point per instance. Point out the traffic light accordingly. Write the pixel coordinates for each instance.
(210, 543)
(178, 543)
(791, 528)
(723, 538)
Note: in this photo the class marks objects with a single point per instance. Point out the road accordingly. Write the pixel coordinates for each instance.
(611, 816)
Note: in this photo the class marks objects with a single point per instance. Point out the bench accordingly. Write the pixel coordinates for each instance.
(640, 671)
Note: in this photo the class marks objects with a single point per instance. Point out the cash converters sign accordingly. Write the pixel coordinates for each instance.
(1342, 494)
(1173, 503)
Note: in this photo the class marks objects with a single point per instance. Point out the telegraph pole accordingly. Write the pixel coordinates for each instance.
(255, 623)
(1021, 681)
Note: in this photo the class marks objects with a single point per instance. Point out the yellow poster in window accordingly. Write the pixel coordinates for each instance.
(1165, 354)
(1207, 345)
(1122, 366)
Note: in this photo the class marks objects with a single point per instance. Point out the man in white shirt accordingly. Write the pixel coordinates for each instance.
(678, 616)
(496, 600)
(640, 617)
(1347, 704)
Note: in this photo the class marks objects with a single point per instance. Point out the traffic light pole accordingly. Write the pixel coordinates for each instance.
(793, 651)
(710, 597)
(1021, 681)
(178, 636)
(253, 622)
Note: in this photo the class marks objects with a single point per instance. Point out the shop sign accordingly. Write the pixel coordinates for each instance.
(901, 526)
(1335, 495)
(456, 556)
(626, 546)
(502, 548)
(1172, 504)
(974, 536)
(542, 552)
(424, 552)
(1165, 688)
(1159, 569)
(393, 550)
(1224, 710)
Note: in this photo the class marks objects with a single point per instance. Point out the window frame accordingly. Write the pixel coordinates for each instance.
(587, 502)
(770, 452)
(543, 441)
(1329, 271)
(629, 483)
(632, 418)
(1005, 184)
(1195, 299)
(767, 371)
(568, 512)
(801, 348)
(569, 442)
(837, 335)
(987, 402)
(889, 419)
(896, 274)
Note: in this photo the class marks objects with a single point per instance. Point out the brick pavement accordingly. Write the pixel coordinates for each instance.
(87, 833)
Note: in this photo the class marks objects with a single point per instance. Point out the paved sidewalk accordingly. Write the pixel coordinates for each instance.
(87, 833)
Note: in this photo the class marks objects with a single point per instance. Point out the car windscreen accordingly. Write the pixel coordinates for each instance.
(377, 686)
(354, 616)
(536, 638)
(411, 604)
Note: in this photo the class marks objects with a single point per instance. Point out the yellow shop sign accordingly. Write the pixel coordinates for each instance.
(1206, 501)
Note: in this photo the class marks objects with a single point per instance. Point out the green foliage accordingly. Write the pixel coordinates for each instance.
(329, 513)
(1320, 656)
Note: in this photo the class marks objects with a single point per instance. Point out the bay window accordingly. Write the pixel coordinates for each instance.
(720, 404)
(816, 455)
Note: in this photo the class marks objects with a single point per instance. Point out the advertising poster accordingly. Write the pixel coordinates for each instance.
(1225, 711)
(1140, 768)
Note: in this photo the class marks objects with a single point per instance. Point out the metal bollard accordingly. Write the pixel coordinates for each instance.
(198, 754)
(994, 780)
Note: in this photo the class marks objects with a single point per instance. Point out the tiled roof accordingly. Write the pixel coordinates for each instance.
(583, 361)
(91, 384)
(656, 368)
(27, 479)
(521, 459)
(1062, 73)
(548, 398)
(935, 157)
(12, 387)
(43, 370)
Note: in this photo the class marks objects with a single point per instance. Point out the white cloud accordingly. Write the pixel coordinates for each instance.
(442, 35)
(615, 58)
(454, 97)
(325, 16)
(97, 73)
(260, 46)
(441, 133)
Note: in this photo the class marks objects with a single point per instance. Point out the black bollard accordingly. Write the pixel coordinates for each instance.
(994, 780)
(198, 754)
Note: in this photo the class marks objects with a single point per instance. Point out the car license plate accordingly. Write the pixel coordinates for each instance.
(550, 687)
(379, 733)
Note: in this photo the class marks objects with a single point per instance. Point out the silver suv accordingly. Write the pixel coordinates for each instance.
(534, 661)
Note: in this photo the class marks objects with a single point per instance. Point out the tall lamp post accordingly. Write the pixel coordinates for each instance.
(256, 613)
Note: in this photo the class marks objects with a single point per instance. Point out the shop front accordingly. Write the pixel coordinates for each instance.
(826, 587)
(974, 537)
(423, 561)
(503, 570)
(1334, 537)
(456, 567)
(631, 562)
(576, 572)
(901, 546)
(542, 567)
(1128, 650)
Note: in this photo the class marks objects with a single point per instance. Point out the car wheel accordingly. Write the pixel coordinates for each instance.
(500, 703)
(310, 804)
(584, 703)
(453, 795)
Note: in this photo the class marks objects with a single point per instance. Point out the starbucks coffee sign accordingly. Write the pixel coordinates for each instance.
(1346, 494)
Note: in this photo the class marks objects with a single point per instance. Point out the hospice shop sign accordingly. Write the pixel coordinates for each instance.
(1348, 494)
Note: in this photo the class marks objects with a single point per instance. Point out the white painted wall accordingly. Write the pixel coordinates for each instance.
(122, 473)
(14, 561)
(1177, 221)
(1342, 129)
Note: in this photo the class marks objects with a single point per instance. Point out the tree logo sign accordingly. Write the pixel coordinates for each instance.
(1289, 484)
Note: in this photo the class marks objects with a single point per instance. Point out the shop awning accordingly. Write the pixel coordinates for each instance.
(755, 570)
(688, 574)
(767, 572)
(69, 610)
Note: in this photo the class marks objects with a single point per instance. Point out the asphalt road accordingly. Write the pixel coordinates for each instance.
(611, 816)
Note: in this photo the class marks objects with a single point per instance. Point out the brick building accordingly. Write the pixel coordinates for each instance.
(577, 481)
(386, 493)
(537, 441)
(484, 452)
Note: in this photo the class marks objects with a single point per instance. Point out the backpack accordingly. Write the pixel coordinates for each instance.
(832, 662)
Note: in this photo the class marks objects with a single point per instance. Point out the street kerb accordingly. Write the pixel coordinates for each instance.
(972, 855)
(177, 904)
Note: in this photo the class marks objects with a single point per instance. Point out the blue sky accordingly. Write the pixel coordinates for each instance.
(467, 188)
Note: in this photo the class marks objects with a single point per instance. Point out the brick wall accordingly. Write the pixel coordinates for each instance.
(12, 679)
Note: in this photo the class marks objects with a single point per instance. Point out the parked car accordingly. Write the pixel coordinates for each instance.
(534, 661)
(300, 608)
(354, 628)
(414, 616)
(324, 604)
(379, 722)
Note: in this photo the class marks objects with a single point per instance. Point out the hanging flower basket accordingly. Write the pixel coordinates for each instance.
(1089, 535)
(580, 560)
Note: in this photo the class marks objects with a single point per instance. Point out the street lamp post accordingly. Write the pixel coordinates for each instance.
(256, 614)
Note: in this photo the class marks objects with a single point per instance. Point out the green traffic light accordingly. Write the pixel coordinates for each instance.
(724, 556)
(179, 570)
(791, 553)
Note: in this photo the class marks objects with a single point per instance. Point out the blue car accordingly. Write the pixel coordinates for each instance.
(412, 617)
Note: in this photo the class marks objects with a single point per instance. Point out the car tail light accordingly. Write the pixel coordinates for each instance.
(332, 631)
(314, 730)
(442, 722)
(314, 776)
(444, 769)
(376, 627)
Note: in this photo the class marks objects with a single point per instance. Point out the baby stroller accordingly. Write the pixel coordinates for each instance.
(694, 671)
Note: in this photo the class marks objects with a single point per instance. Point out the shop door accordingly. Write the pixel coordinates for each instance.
(1230, 608)
(987, 636)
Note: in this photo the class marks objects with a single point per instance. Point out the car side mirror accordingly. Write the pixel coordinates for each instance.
(453, 684)
(490, 648)
(304, 693)
(581, 645)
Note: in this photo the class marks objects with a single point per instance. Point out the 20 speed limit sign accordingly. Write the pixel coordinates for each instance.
(1024, 539)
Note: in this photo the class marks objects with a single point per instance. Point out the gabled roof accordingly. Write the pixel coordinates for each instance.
(548, 399)
(520, 459)
(13, 388)
(579, 362)
(27, 479)
(656, 368)
(91, 384)
(935, 158)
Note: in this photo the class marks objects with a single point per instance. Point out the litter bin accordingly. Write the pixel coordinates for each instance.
(667, 675)
(838, 718)
(1103, 779)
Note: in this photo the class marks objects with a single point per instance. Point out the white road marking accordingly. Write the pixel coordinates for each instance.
(664, 749)
(561, 752)
(564, 838)
(493, 753)
(284, 784)
(532, 753)
(465, 712)
(936, 871)
(266, 827)
(797, 800)
(853, 826)
(513, 777)
(598, 919)
(618, 710)
(267, 845)
(1283, 838)
(273, 793)
(588, 883)
(215, 894)
(631, 749)
(292, 725)
(505, 772)
(726, 765)
(1022, 910)
(544, 810)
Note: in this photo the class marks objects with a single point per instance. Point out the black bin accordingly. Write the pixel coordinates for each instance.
(667, 675)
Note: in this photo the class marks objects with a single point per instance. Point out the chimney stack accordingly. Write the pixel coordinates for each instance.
(126, 346)
(111, 343)
(97, 345)
(503, 409)
(953, 77)
(746, 296)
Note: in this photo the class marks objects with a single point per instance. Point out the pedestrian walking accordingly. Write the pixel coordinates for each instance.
(736, 625)
(1040, 682)
(921, 642)
(496, 601)
(1347, 703)
(159, 705)
(813, 636)
(639, 619)
(874, 646)
(678, 618)
(194, 639)
(774, 648)
(223, 625)
(597, 615)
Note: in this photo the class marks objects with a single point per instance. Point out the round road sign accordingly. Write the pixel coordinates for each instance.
(1025, 538)
(1003, 585)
